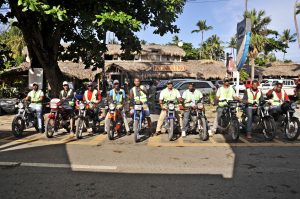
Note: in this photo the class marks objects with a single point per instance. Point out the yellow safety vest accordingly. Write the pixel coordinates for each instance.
(171, 96)
(68, 94)
(225, 94)
(275, 100)
(192, 97)
(115, 96)
(94, 96)
(250, 95)
(35, 96)
(142, 97)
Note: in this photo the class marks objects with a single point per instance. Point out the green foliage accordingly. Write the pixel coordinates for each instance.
(213, 49)
(298, 9)
(288, 61)
(243, 75)
(190, 52)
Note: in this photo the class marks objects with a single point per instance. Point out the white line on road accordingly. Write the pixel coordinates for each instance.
(75, 167)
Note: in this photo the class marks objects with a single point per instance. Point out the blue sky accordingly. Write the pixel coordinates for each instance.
(223, 15)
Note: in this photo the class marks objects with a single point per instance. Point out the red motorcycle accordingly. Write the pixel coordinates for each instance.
(60, 116)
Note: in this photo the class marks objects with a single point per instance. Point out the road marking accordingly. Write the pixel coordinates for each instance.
(74, 167)
(212, 140)
(180, 141)
(8, 138)
(95, 141)
(154, 141)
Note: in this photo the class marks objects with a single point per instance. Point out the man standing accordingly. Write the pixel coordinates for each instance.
(36, 98)
(139, 93)
(167, 95)
(118, 97)
(252, 96)
(191, 98)
(225, 92)
(66, 96)
(277, 96)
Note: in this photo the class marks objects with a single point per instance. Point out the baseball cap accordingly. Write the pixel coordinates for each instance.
(65, 83)
(116, 81)
(34, 83)
(226, 79)
(90, 84)
(279, 82)
(169, 82)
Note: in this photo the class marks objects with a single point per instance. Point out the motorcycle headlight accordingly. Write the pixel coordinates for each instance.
(171, 106)
(20, 105)
(293, 106)
(200, 106)
(267, 106)
(233, 105)
(112, 107)
(138, 107)
(81, 106)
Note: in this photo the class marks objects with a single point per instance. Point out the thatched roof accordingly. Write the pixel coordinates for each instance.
(173, 50)
(194, 69)
(277, 69)
(70, 69)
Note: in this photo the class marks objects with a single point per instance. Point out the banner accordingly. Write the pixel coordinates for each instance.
(243, 41)
(170, 68)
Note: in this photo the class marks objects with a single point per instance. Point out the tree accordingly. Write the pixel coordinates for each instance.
(287, 38)
(83, 24)
(202, 27)
(232, 44)
(259, 34)
(143, 42)
(212, 48)
(190, 52)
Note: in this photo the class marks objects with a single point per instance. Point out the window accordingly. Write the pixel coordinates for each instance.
(202, 85)
(184, 86)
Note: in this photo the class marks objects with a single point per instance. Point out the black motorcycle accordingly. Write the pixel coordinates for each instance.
(86, 119)
(261, 119)
(25, 119)
(288, 121)
(229, 122)
(198, 121)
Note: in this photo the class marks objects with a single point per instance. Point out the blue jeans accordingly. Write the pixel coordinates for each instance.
(38, 109)
(249, 113)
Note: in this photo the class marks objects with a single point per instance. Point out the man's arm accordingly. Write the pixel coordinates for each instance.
(245, 98)
(269, 94)
(286, 97)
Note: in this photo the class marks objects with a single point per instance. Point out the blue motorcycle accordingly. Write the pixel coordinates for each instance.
(170, 121)
(139, 120)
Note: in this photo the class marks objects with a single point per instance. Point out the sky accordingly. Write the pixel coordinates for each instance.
(223, 15)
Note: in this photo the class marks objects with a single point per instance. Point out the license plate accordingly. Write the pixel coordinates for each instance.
(138, 107)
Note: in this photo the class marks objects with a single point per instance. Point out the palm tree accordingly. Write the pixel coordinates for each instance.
(297, 12)
(202, 27)
(232, 44)
(259, 33)
(287, 38)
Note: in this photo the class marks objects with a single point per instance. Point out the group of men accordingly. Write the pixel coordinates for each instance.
(185, 102)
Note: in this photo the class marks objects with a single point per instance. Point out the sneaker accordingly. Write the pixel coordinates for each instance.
(211, 133)
(249, 136)
(183, 134)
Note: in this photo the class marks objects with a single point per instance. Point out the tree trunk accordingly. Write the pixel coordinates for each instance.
(283, 56)
(43, 39)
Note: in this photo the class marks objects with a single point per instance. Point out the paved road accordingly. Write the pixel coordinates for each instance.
(94, 167)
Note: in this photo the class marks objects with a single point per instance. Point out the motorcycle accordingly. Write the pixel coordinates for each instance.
(170, 120)
(60, 115)
(198, 121)
(85, 118)
(229, 120)
(139, 120)
(25, 119)
(288, 121)
(116, 124)
(261, 119)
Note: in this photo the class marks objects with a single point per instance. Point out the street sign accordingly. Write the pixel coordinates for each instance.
(35, 75)
(243, 41)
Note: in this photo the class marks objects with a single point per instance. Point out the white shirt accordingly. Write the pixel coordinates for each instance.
(167, 92)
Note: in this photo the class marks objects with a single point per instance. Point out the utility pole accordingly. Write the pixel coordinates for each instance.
(246, 5)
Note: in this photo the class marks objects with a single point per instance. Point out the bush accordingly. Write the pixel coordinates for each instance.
(260, 61)
(287, 61)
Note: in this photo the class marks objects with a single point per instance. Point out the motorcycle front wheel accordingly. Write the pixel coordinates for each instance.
(79, 128)
(18, 126)
(291, 129)
(136, 130)
(269, 128)
(203, 133)
(51, 127)
(234, 130)
(110, 131)
(171, 129)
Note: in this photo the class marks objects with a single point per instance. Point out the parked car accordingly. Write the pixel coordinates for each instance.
(218, 83)
(162, 84)
(8, 105)
(205, 87)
